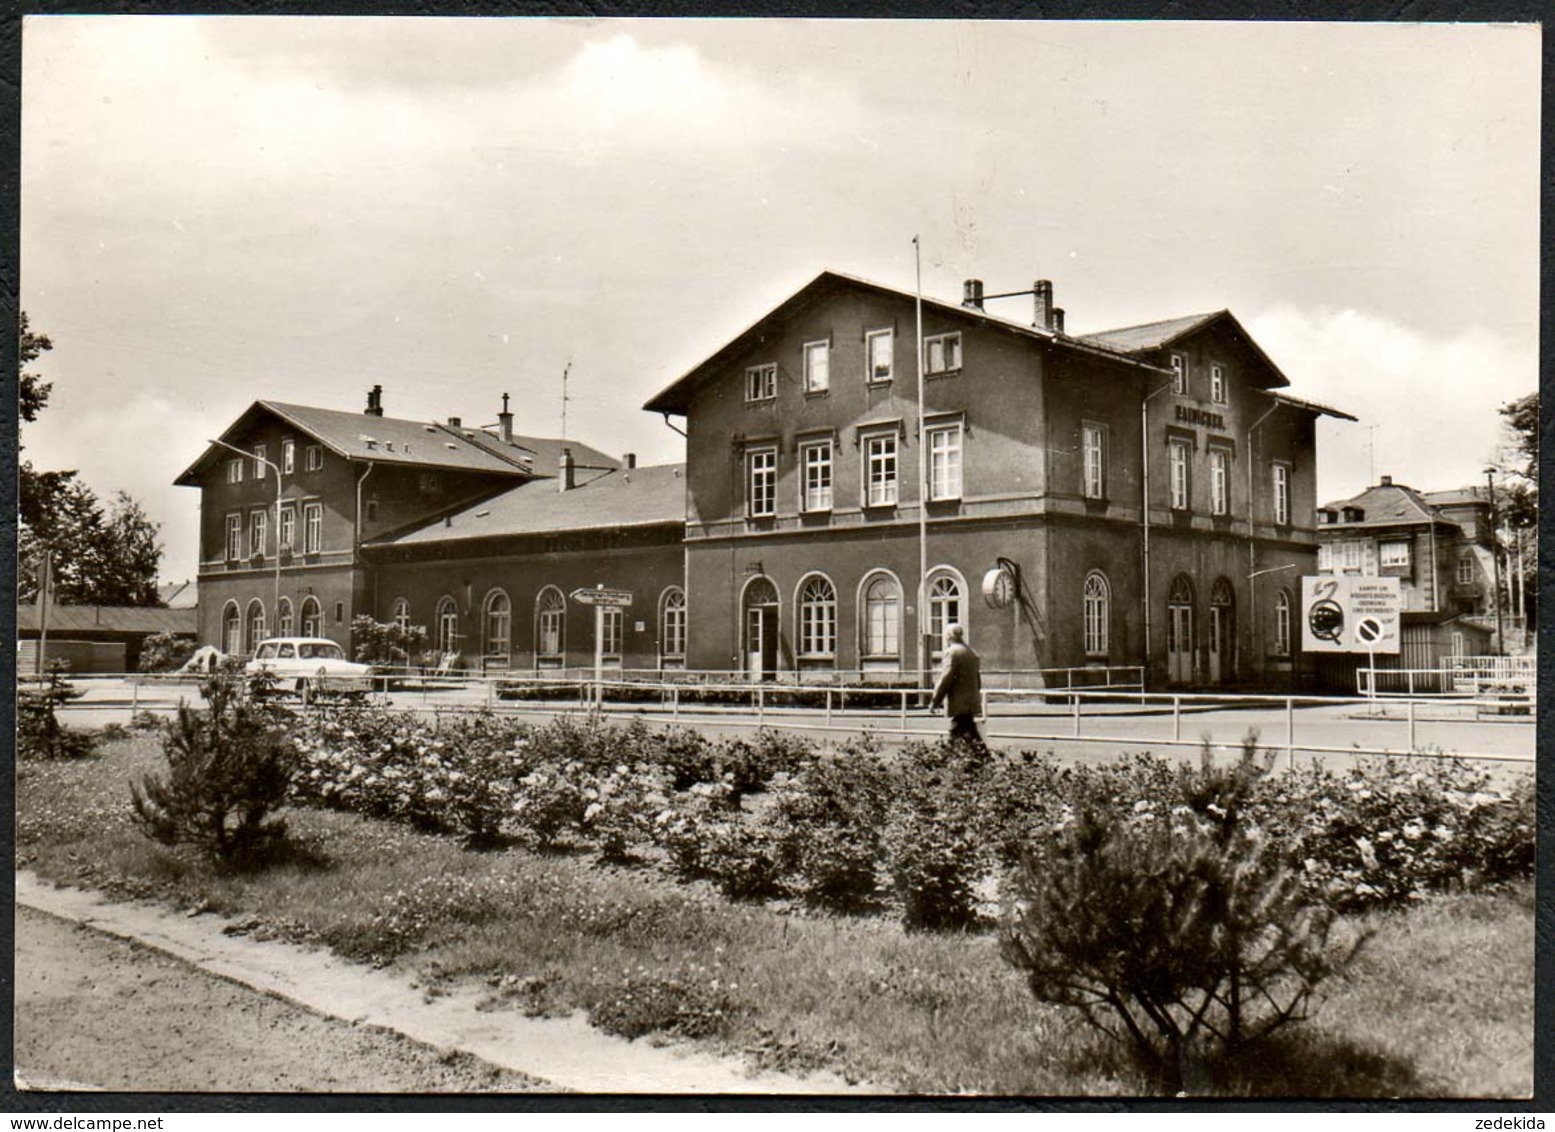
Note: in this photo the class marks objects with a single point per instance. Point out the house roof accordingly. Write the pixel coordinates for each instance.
(1313, 406)
(178, 595)
(1384, 505)
(394, 440)
(615, 498)
(1457, 497)
(134, 619)
(676, 396)
(1151, 335)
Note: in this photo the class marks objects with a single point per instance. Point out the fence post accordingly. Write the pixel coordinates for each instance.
(761, 707)
(828, 707)
(1176, 718)
(1290, 733)
(1411, 725)
(134, 696)
(675, 703)
(1075, 699)
(904, 712)
(1409, 681)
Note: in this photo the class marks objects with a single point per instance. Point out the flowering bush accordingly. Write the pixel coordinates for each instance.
(380, 764)
(550, 801)
(622, 806)
(830, 818)
(932, 847)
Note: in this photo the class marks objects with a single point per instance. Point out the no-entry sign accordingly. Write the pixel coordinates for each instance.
(1351, 613)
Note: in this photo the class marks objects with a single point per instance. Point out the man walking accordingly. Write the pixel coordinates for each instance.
(960, 687)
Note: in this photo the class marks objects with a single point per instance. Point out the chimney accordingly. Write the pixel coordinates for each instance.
(566, 477)
(1042, 289)
(972, 294)
(455, 422)
(1387, 481)
(375, 401)
(505, 419)
(630, 460)
(1058, 320)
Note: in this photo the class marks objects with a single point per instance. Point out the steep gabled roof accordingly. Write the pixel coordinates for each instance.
(1385, 505)
(394, 440)
(1148, 337)
(620, 498)
(675, 397)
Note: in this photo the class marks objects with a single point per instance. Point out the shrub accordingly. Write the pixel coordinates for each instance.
(229, 768)
(931, 846)
(480, 757)
(830, 819)
(39, 733)
(681, 828)
(622, 806)
(689, 1002)
(1172, 925)
(688, 756)
(389, 643)
(386, 765)
(165, 652)
(549, 801)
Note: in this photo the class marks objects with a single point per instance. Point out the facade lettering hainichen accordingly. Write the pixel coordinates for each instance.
(1150, 492)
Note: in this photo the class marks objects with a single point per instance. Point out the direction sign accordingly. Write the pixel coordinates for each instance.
(601, 596)
(1351, 613)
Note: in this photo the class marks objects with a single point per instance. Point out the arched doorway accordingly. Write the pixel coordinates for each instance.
(759, 621)
(1222, 632)
(1179, 631)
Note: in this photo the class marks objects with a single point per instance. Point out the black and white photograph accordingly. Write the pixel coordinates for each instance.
(776, 558)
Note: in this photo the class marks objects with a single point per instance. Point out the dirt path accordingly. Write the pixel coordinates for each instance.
(98, 1012)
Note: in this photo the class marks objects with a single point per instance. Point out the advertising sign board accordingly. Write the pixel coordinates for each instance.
(1351, 613)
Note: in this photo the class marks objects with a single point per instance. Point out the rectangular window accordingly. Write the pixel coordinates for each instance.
(1393, 555)
(944, 443)
(551, 632)
(315, 457)
(1352, 557)
(1093, 448)
(1325, 556)
(234, 471)
(1217, 383)
(288, 529)
(610, 627)
(257, 524)
(816, 460)
(880, 471)
(288, 455)
(1282, 626)
(879, 352)
(312, 527)
(1466, 570)
(260, 467)
(1179, 374)
(234, 537)
(1178, 451)
(1219, 481)
(675, 628)
(817, 367)
(761, 482)
(1282, 494)
(761, 382)
(942, 353)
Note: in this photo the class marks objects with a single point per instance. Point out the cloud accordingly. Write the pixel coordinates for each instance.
(1432, 398)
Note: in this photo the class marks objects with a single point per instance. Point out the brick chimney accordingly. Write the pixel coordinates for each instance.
(630, 460)
(505, 419)
(455, 422)
(1058, 320)
(1387, 481)
(565, 472)
(1042, 291)
(375, 401)
(972, 294)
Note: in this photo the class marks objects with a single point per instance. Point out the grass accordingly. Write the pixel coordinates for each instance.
(1439, 1004)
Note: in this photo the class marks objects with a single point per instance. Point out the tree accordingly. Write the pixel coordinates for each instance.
(100, 558)
(1518, 500)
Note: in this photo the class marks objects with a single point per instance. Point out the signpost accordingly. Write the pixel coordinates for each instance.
(1352, 613)
(601, 599)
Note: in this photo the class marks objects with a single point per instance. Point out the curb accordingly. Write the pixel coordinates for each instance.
(565, 1052)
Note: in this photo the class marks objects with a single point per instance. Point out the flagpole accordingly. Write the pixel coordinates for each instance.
(923, 491)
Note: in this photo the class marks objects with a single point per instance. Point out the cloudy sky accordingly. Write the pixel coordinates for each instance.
(216, 210)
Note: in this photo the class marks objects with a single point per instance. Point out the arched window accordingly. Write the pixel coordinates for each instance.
(231, 629)
(817, 618)
(1097, 602)
(400, 614)
(1282, 623)
(498, 628)
(312, 617)
(947, 605)
(283, 618)
(550, 624)
(254, 626)
(882, 620)
(447, 625)
(672, 622)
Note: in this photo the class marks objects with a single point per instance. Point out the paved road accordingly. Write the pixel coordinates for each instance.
(1330, 730)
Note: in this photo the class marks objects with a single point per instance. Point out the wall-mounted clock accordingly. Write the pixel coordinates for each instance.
(999, 587)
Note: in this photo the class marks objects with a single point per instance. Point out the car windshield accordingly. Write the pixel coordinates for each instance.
(325, 651)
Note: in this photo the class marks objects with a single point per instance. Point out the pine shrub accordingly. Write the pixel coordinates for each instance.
(39, 732)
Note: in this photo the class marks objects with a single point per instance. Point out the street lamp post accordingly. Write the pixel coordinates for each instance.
(1495, 561)
(275, 608)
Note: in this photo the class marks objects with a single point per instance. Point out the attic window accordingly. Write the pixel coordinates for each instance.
(449, 444)
(430, 428)
(482, 514)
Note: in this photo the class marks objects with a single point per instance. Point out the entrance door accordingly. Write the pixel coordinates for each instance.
(1179, 631)
(1222, 646)
(759, 648)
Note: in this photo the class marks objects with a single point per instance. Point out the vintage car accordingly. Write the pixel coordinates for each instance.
(311, 667)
